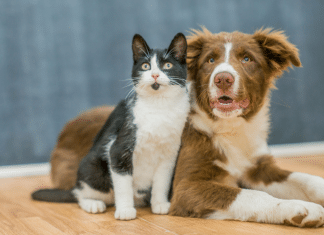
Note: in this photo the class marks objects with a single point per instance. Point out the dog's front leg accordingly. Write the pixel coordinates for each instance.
(257, 206)
(212, 200)
(268, 177)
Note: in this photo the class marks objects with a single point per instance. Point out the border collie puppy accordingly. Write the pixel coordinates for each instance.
(225, 169)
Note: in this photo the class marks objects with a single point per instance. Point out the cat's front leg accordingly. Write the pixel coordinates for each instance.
(124, 198)
(161, 187)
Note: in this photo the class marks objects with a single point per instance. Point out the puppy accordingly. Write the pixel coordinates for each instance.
(225, 169)
(74, 142)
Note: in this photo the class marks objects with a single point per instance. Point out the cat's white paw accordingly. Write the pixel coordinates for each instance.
(126, 213)
(302, 214)
(92, 206)
(161, 208)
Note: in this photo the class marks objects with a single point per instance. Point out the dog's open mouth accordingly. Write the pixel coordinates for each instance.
(225, 100)
(228, 104)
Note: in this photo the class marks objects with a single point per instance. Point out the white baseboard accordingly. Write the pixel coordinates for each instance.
(298, 150)
(284, 150)
(24, 170)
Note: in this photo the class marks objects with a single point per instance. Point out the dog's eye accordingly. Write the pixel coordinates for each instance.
(246, 59)
(211, 60)
(167, 65)
(146, 66)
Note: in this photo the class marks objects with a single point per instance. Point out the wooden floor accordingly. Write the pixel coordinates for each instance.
(19, 215)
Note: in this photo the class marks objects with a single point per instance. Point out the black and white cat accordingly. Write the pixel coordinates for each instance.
(134, 155)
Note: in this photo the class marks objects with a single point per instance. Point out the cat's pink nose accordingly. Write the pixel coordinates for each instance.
(155, 76)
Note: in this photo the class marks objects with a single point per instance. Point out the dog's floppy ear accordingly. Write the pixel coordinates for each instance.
(279, 52)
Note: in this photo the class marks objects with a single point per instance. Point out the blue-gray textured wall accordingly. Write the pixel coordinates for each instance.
(58, 58)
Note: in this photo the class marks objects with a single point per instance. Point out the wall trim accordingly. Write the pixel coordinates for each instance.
(24, 170)
(298, 150)
(282, 150)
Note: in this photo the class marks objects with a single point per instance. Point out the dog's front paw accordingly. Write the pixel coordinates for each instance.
(92, 206)
(126, 213)
(302, 214)
(161, 208)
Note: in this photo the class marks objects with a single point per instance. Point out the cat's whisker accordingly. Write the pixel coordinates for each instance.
(146, 55)
(177, 83)
(129, 79)
(129, 84)
(130, 92)
(168, 53)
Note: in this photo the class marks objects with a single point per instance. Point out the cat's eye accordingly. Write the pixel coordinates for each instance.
(146, 66)
(167, 65)
(211, 60)
(246, 59)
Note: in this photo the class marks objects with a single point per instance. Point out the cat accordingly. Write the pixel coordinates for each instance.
(132, 160)
(73, 144)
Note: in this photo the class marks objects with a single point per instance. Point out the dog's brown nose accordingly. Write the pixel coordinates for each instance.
(224, 80)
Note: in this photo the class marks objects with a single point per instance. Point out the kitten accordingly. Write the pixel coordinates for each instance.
(134, 154)
(73, 144)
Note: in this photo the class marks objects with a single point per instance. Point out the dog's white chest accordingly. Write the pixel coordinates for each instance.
(241, 142)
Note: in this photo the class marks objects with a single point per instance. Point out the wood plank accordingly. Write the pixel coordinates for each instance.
(21, 215)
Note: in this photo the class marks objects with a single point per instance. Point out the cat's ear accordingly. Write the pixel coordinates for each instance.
(178, 48)
(140, 47)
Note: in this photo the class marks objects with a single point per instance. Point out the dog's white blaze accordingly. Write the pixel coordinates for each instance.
(213, 89)
(228, 46)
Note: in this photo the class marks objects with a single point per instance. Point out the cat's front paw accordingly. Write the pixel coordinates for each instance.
(126, 213)
(161, 208)
(92, 206)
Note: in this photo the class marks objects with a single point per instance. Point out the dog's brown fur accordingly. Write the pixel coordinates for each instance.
(201, 185)
(74, 142)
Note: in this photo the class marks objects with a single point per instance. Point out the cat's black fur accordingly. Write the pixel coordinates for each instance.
(94, 168)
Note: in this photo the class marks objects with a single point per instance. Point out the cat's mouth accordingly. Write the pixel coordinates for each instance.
(155, 86)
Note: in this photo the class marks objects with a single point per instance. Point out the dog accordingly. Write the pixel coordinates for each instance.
(225, 169)
(73, 144)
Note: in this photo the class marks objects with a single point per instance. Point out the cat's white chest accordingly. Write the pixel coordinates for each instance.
(159, 125)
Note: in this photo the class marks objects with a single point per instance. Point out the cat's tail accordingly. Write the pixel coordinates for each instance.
(54, 195)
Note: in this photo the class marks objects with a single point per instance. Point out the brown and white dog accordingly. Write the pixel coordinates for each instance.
(225, 169)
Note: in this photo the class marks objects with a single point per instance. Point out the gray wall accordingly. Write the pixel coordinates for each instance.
(58, 58)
